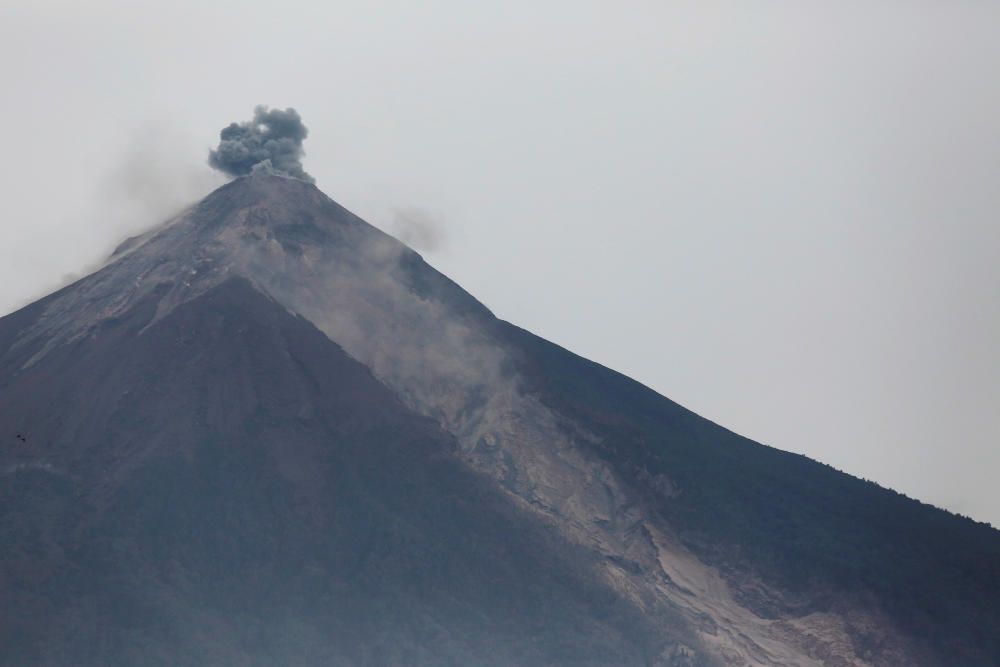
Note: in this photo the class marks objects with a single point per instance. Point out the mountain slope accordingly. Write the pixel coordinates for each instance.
(228, 487)
(821, 540)
(266, 355)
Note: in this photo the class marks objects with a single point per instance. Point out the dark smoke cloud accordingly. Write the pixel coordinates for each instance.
(271, 142)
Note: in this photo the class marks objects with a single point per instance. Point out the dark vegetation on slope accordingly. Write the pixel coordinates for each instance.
(228, 487)
(799, 523)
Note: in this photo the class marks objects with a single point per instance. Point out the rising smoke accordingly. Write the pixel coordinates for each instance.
(417, 228)
(271, 142)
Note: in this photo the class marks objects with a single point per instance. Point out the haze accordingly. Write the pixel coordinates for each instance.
(782, 215)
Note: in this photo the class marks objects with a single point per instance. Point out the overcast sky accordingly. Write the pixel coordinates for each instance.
(783, 215)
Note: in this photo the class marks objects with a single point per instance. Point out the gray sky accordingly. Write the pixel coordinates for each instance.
(783, 215)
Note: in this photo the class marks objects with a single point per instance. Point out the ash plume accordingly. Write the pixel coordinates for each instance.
(271, 142)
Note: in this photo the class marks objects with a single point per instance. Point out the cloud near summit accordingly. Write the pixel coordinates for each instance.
(271, 142)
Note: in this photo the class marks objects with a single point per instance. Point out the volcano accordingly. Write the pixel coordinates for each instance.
(266, 433)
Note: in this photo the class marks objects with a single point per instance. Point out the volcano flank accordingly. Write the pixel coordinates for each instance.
(267, 433)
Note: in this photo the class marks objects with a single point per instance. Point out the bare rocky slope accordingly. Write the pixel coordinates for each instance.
(267, 433)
